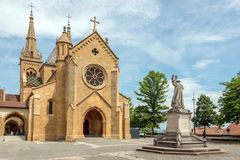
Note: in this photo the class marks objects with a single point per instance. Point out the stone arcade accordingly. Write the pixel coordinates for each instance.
(73, 94)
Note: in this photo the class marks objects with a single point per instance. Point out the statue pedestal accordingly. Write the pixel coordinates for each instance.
(179, 138)
(179, 121)
(179, 132)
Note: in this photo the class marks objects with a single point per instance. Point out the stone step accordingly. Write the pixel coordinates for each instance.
(171, 142)
(159, 148)
(163, 152)
(191, 142)
(180, 153)
(13, 138)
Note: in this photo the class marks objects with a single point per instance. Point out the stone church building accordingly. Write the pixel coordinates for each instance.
(73, 94)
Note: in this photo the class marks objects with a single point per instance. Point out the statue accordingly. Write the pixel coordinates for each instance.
(177, 100)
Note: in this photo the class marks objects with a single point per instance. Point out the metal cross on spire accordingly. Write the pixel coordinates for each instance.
(69, 17)
(32, 6)
(94, 23)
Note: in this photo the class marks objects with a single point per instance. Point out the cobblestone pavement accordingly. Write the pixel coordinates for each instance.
(100, 149)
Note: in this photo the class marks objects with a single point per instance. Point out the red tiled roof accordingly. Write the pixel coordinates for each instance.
(12, 97)
(232, 130)
(12, 104)
(214, 131)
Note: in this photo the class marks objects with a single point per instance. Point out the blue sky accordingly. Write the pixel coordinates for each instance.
(199, 40)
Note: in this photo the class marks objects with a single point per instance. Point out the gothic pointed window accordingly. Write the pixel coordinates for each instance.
(31, 73)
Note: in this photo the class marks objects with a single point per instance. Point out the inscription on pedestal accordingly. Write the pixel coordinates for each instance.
(172, 123)
(184, 125)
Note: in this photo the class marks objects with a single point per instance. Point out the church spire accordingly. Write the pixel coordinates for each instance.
(31, 31)
(30, 49)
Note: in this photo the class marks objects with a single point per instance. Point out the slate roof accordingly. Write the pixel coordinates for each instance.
(51, 60)
(34, 81)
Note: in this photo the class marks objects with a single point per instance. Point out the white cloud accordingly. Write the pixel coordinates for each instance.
(204, 63)
(50, 16)
(203, 38)
(8, 59)
(233, 3)
(164, 54)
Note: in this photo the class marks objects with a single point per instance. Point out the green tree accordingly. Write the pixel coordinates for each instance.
(205, 112)
(137, 118)
(218, 120)
(229, 102)
(152, 96)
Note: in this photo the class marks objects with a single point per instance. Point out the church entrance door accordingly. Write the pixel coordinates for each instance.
(93, 124)
(86, 127)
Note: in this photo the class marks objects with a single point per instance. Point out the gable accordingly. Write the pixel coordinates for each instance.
(94, 41)
(94, 97)
(52, 77)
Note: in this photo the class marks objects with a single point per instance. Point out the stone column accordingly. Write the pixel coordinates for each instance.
(126, 121)
(116, 109)
(71, 92)
(1, 126)
(36, 121)
(30, 120)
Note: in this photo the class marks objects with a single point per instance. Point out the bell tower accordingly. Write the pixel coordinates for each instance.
(30, 61)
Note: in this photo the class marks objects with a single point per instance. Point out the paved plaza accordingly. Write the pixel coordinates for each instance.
(100, 149)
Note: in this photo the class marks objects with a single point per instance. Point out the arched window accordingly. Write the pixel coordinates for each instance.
(31, 73)
(50, 107)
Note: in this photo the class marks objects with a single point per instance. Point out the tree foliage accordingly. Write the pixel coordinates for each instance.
(229, 102)
(218, 120)
(205, 112)
(138, 117)
(151, 94)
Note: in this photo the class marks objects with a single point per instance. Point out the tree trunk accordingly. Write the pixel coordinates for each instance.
(152, 131)
(204, 132)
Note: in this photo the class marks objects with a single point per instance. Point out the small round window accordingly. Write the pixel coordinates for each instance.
(94, 76)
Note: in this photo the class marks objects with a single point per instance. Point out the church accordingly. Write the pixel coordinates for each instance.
(72, 95)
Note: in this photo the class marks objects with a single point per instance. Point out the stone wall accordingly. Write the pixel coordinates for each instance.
(41, 123)
(46, 71)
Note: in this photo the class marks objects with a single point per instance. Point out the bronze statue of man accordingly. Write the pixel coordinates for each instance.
(177, 100)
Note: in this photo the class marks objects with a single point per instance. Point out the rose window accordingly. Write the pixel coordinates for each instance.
(94, 76)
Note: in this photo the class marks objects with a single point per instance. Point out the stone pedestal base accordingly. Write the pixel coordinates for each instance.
(179, 121)
(179, 133)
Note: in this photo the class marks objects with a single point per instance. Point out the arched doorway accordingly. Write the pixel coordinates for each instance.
(93, 124)
(14, 125)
